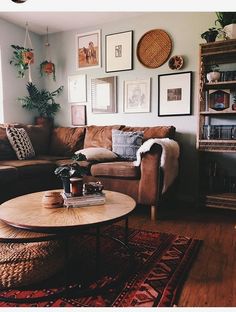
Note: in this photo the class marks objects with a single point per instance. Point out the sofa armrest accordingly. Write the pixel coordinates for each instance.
(149, 185)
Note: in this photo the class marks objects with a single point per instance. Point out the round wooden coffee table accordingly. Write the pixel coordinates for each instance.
(27, 215)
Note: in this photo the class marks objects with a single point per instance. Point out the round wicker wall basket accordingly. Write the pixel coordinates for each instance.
(154, 48)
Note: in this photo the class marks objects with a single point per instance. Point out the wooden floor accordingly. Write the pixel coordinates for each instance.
(212, 279)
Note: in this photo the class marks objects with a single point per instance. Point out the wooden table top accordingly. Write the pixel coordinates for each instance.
(27, 212)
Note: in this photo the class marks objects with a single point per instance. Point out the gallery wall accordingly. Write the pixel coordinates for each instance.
(184, 30)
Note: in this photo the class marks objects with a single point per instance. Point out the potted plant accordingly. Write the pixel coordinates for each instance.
(48, 68)
(210, 34)
(41, 100)
(22, 57)
(213, 73)
(72, 170)
(227, 21)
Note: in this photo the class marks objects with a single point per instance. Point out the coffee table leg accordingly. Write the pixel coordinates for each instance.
(98, 251)
(126, 230)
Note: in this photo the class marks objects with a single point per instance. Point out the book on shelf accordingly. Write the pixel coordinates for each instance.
(85, 200)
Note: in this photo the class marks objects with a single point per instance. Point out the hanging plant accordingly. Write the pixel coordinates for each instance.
(48, 68)
(22, 57)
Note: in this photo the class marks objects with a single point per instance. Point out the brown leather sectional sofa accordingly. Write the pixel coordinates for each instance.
(54, 147)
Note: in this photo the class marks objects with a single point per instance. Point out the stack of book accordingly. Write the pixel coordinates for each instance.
(85, 200)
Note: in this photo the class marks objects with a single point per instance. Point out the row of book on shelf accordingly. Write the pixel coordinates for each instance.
(219, 132)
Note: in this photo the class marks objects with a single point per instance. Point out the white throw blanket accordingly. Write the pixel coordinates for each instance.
(169, 158)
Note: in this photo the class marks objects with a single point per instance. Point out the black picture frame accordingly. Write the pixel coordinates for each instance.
(175, 94)
(119, 51)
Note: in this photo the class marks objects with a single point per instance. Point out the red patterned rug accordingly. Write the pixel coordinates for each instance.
(155, 277)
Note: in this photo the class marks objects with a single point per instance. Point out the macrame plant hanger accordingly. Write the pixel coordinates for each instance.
(48, 67)
(29, 58)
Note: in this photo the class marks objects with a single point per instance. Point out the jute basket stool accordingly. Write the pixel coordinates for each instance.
(23, 264)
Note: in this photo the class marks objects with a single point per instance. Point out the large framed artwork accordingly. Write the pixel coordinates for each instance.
(77, 89)
(78, 115)
(119, 51)
(137, 96)
(174, 94)
(103, 95)
(88, 50)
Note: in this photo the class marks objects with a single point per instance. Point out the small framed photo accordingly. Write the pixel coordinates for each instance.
(103, 95)
(78, 115)
(119, 51)
(174, 94)
(88, 50)
(137, 96)
(77, 89)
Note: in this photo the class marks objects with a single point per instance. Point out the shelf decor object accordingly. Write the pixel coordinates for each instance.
(176, 62)
(154, 48)
(77, 89)
(88, 50)
(119, 51)
(137, 96)
(174, 94)
(103, 95)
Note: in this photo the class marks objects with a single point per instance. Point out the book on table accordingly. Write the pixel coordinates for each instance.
(85, 200)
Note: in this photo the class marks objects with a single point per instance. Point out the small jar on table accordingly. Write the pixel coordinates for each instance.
(76, 186)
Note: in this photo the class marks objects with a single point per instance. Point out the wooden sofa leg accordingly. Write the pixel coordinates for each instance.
(153, 213)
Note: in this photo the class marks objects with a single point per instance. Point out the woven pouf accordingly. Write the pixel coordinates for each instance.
(23, 264)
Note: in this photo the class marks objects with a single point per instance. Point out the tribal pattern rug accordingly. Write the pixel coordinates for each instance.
(152, 276)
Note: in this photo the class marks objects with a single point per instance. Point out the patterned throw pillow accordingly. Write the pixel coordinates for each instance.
(125, 144)
(20, 142)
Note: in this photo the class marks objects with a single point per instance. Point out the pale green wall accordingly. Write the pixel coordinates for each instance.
(14, 87)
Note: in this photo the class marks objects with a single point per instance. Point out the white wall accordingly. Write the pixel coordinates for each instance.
(14, 87)
(185, 29)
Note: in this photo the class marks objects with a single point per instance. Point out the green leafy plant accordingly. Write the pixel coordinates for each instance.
(73, 169)
(18, 61)
(48, 68)
(41, 100)
(225, 18)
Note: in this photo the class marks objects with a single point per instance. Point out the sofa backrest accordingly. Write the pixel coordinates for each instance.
(153, 132)
(99, 136)
(66, 140)
(6, 150)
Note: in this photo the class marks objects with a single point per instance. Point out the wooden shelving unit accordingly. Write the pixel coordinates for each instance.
(220, 52)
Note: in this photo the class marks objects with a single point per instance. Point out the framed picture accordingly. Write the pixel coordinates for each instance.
(77, 91)
(174, 94)
(78, 115)
(103, 95)
(88, 50)
(119, 51)
(137, 96)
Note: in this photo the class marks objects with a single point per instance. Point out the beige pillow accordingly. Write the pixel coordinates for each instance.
(97, 154)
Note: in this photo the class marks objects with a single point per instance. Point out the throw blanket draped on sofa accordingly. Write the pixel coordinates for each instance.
(169, 158)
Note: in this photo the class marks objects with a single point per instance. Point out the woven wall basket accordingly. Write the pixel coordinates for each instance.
(154, 48)
(22, 264)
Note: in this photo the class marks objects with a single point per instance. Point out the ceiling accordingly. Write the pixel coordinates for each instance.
(63, 21)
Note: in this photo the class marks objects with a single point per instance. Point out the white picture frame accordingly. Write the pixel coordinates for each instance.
(77, 89)
(137, 96)
(78, 115)
(88, 50)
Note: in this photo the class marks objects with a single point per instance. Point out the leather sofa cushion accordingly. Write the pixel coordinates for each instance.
(8, 174)
(154, 132)
(6, 150)
(99, 136)
(30, 167)
(39, 136)
(66, 140)
(124, 169)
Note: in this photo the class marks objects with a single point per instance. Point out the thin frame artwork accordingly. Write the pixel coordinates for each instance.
(175, 94)
(103, 95)
(119, 51)
(88, 50)
(137, 96)
(77, 89)
(78, 115)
